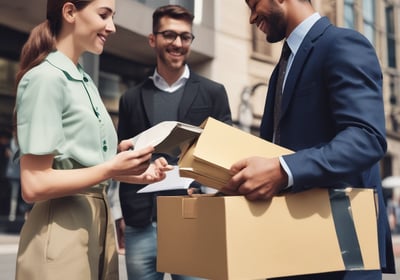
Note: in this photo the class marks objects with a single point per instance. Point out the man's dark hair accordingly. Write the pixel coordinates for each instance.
(172, 11)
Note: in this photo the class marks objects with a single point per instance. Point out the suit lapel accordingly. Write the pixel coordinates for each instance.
(294, 74)
(190, 93)
(266, 127)
(148, 101)
(300, 61)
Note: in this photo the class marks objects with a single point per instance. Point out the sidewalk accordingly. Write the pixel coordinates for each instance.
(8, 253)
(9, 247)
(9, 243)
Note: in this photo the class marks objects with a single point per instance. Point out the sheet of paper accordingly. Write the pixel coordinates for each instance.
(172, 182)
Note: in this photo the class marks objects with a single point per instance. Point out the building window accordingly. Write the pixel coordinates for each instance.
(349, 14)
(8, 70)
(116, 75)
(394, 98)
(369, 20)
(390, 36)
(361, 15)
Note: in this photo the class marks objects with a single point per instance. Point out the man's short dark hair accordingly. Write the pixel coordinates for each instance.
(172, 11)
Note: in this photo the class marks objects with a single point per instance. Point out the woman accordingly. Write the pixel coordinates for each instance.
(68, 148)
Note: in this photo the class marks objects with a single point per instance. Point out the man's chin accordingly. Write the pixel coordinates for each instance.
(176, 65)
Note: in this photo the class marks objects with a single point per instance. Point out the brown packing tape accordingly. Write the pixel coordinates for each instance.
(189, 204)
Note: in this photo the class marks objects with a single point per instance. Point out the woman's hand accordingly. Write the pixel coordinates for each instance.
(131, 162)
(135, 167)
(156, 171)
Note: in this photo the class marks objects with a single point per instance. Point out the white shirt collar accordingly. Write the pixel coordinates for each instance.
(296, 37)
(161, 84)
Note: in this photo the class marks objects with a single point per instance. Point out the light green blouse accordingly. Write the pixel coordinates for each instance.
(60, 112)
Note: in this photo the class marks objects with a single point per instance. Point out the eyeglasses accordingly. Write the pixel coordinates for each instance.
(170, 36)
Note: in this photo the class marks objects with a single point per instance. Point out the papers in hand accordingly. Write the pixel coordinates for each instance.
(172, 182)
(168, 137)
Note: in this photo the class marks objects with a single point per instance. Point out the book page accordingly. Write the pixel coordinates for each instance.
(154, 135)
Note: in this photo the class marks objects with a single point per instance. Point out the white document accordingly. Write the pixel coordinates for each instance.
(172, 182)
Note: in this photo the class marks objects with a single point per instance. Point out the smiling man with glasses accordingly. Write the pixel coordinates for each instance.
(171, 40)
(172, 93)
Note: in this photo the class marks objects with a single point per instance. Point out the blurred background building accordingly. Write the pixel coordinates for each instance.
(226, 49)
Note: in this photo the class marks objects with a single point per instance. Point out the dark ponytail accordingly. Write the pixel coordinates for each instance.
(40, 43)
(42, 39)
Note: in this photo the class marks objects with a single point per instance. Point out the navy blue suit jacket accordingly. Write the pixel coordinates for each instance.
(333, 117)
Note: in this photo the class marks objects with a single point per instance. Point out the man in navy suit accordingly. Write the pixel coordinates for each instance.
(172, 93)
(331, 114)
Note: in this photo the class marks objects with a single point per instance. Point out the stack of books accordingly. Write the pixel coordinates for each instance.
(207, 152)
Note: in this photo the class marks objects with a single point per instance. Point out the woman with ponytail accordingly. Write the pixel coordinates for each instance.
(68, 149)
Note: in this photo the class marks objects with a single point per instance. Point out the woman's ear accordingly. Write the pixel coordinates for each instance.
(68, 12)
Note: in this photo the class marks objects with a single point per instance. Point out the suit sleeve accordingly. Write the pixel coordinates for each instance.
(352, 80)
(124, 127)
(221, 109)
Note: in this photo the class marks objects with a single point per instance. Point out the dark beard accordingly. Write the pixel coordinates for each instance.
(167, 62)
(276, 19)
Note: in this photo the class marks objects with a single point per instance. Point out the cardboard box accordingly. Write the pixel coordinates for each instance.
(229, 237)
(210, 157)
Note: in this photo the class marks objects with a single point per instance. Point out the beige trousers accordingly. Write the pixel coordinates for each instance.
(69, 238)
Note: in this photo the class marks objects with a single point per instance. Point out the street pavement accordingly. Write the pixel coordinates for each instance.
(9, 247)
(8, 253)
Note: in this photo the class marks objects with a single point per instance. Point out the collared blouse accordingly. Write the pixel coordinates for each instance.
(60, 112)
